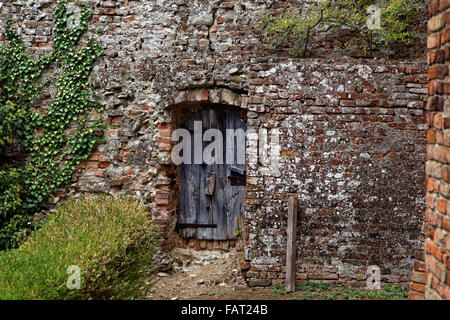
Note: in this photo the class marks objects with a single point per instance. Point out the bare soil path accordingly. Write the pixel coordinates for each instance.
(203, 275)
(213, 275)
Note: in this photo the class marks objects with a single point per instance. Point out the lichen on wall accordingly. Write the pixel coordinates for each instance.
(352, 132)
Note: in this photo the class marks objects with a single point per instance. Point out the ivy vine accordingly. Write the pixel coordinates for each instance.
(52, 148)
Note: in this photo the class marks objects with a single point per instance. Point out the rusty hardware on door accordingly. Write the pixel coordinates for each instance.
(210, 184)
(179, 226)
(237, 176)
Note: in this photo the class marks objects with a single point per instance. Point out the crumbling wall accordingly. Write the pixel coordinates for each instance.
(352, 132)
(352, 149)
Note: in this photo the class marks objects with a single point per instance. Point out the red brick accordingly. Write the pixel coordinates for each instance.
(444, 292)
(121, 181)
(438, 121)
(163, 202)
(92, 165)
(436, 23)
(442, 206)
(447, 126)
(446, 224)
(348, 103)
(104, 164)
(164, 140)
(433, 219)
(445, 36)
(433, 41)
(109, 11)
(437, 72)
(165, 147)
(430, 201)
(433, 7)
(435, 88)
(435, 104)
(415, 296)
(444, 4)
(446, 260)
(419, 277)
(436, 57)
(163, 126)
(197, 244)
(419, 266)
(431, 136)
(417, 287)
(432, 266)
(445, 172)
(430, 247)
(99, 173)
(165, 133)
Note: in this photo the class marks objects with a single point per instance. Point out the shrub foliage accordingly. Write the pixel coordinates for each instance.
(399, 22)
(112, 241)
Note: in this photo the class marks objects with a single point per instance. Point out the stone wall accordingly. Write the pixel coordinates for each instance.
(432, 278)
(352, 149)
(352, 132)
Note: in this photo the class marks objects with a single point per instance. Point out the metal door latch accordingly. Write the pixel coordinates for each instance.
(210, 184)
(237, 176)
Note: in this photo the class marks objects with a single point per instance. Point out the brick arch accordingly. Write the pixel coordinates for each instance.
(178, 106)
(223, 96)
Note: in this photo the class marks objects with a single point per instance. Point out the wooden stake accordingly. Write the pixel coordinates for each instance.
(291, 249)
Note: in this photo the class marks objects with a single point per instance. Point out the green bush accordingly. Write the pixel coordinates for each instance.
(112, 241)
(326, 291)
(400, 21)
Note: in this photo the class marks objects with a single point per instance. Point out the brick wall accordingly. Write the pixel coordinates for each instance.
(434, 282)
(352, 133)
(352, 140)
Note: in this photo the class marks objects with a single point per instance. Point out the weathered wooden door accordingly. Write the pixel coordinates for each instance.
(212, 195)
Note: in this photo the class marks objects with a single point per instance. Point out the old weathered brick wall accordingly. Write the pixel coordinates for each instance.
(352, 132)
(432, 278)
(352, 141)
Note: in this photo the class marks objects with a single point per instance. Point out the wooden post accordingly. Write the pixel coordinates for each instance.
(291, 248)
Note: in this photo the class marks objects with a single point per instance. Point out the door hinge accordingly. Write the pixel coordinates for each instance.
(194, 225)
(237, 176)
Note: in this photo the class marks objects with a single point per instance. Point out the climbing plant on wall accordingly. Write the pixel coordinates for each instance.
(56, 139)
(398, 24)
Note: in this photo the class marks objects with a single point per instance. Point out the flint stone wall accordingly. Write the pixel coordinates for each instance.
(352, 132)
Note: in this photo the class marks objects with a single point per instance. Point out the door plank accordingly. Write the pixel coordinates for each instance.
(236, 194)
(204, 213)
(190, 198)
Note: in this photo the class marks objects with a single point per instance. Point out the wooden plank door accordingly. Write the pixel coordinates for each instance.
(224, 206)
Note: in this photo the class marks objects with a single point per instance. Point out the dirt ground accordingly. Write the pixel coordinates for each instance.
(212, 275)
(203, 275)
